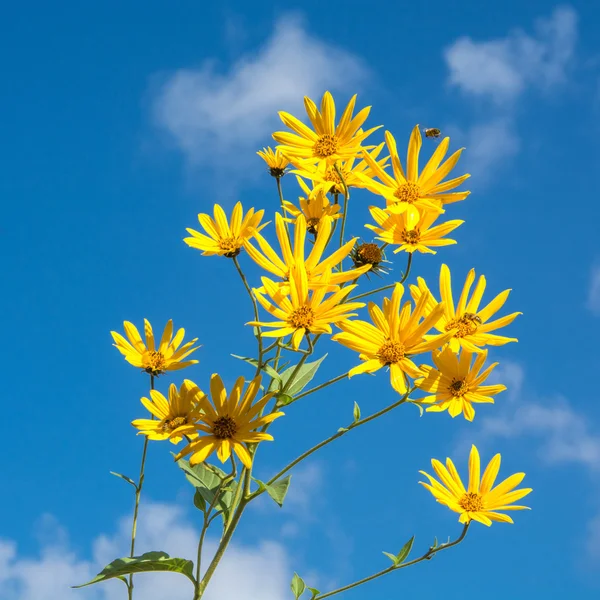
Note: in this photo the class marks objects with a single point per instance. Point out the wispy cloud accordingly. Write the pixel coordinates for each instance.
(593, 299)
(246, 572)
(502, 69)
(213, 114)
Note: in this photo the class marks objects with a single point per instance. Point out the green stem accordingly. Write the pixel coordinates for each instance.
(330, 439)
(283, 212)
(256, 318)
(430, 553)
(381, 289)
(408, 266)
(346, 198)
(138, 494)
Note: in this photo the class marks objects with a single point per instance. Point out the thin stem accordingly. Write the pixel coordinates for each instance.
(346, 198)
(431, 552)
(407, 270)
(256, 318)
(320, 387)
(381, 289)
(138, 493)
(330, 439)
(280, 191)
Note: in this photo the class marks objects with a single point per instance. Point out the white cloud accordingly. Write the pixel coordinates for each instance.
(593, 299)
(215, 116)
(246, 572)
(502, 69)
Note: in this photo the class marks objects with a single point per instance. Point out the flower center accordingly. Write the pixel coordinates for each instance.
(369, 254)
(302, 318)
(170, 425)
(154, 363)
(408, 192)
(312, 225)
(325, 146)
(391, 352)
(224, 428)
(332, 175)
(465, 325)
(471, 502)
(230, 246)
(411, 236)
(276, 172)
(458, 388)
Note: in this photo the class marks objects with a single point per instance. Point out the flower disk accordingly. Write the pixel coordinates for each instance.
(276, 162)
(480, 501)
(155, 361)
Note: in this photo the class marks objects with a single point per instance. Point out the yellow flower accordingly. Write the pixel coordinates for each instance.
(392, 339)
(327, 142)
(302, 312)
(180, 411)
(225, 239)
(470, 324)
(276, 162)
(455, 385)
(411, 191)
(168, 357)
(411, 231)
(326, 179)
(314, 206)
(228, 422)
(315, 267)
(480, 501)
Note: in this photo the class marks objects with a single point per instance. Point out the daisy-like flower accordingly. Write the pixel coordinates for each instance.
(276, 162)
(314, 206)
(411, 191)
(181, 410)
(228, 423)
(269, 260)
(326, 178)
(410, 231)
(155, 361)
(223, 238)
(480, 501)
(470, 324)
(327, 142)
(456, 385)
(302, 311)
(395, 336)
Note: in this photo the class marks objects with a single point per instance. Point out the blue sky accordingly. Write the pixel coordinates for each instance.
(122, 121)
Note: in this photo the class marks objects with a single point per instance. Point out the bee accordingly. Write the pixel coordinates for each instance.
(432, 132)
(472, 317)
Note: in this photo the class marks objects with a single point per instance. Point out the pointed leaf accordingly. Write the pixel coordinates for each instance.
(125, 478)
(283, 400)
(304, 376)
(356, 412)
(277, 490)
(403, 554)
(266, 368)
(392, 557)
(199, 501)
(298, 586)
(313, 591)
(148, 562)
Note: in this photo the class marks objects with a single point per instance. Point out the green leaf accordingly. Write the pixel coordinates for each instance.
(266, 368)
(125, 478)
(392, 557)
(206, 479)
(403, 554)
(199, 501)
(356, 412)
(150, 561)
(298, 586)
(313, 591)
(304, 376)
(342, 430)
(277, 490)
(283, 400)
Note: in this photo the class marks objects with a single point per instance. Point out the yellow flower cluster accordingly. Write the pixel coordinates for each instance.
(308, 287)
